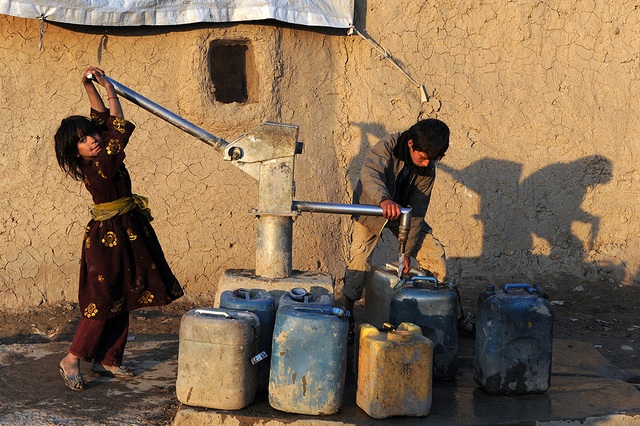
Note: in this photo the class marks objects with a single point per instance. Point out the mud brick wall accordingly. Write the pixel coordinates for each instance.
(540, 181)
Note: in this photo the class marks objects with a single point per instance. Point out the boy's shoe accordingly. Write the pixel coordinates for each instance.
(466, 327)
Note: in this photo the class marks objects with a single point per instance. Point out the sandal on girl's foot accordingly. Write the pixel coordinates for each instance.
(72, 381)
(117, 371)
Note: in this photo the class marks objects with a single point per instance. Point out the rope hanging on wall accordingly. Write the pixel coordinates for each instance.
(424, 97)
(41, 17)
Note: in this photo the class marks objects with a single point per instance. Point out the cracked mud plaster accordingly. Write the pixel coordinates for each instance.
(540, 179)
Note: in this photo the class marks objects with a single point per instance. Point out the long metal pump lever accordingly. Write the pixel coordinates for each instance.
(136, 98)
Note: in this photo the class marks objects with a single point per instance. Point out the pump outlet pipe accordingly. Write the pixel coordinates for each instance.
(361, 209)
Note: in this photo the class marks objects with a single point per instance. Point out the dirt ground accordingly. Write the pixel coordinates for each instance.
(602, 314)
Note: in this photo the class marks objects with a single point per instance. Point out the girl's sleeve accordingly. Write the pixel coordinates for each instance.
(99, 117)
(114, 140)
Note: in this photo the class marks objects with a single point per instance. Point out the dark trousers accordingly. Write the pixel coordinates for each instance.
(101, 341)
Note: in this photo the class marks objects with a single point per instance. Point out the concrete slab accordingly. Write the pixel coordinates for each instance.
(585, 389)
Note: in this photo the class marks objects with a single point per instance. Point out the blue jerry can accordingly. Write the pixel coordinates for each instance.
(514, 336)
(381, 284)
(433, 307)
(262, 304)
(308, 359)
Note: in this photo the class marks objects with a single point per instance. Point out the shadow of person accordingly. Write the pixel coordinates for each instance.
(370, 133)
(506, 240)
(554, 196)
(545, 204)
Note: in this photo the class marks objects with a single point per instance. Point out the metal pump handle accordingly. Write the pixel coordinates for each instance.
(206, 137)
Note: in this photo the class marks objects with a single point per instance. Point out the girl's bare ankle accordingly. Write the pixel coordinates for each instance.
(70, 364)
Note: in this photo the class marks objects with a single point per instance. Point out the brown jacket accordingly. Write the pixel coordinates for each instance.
(381, 178)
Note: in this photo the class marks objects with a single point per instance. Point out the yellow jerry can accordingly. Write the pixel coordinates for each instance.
(394, 371)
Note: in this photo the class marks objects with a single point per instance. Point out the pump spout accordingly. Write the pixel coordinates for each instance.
(403, 235)
(403, 231)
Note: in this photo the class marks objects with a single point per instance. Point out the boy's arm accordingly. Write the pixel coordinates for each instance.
(373, 176)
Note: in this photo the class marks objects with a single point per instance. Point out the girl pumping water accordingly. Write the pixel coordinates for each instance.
(122, 264)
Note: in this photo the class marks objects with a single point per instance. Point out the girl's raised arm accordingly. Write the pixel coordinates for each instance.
(95, 99)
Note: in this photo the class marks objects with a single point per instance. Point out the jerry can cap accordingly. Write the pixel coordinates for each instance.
(400, 336)
(300, 294)
(243, 293)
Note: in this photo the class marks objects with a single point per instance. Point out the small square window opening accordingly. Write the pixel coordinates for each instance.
(229, 62)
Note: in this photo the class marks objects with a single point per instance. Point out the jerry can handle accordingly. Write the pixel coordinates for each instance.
(425, 278)
(300, 294)
(213, 313)
(422, 279)
(387, 327)
(525, 287)
(244, 293)
(390, 267)
(393, 268)
(339, 312)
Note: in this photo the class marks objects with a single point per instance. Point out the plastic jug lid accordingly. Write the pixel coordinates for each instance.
(299, 294)
(400, 336)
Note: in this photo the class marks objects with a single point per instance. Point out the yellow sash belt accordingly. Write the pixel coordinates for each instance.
(105, 211)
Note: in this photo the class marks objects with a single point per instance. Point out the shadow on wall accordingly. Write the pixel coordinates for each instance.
(369, 132)
(528, 227)
(528, 224)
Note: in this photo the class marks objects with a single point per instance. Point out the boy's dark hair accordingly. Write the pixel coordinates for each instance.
(430, 136)
(66, 143)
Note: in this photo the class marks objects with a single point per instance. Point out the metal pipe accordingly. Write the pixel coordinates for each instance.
(274, 246)
(168, 116)
(363, 209)
(403, 228)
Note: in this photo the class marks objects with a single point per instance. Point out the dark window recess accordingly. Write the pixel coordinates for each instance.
(228, 64)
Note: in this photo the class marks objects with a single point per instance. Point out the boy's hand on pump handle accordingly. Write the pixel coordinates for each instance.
(390, 209)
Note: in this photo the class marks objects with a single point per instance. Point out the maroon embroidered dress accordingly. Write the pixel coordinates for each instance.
(122, 266)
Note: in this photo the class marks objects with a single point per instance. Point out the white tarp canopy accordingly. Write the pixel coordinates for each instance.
(120, 13)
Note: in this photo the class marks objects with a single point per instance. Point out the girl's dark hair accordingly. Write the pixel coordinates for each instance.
(430, 136)
(66, 141)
